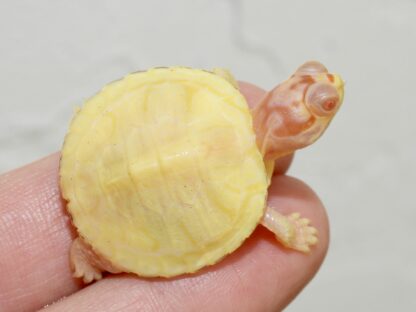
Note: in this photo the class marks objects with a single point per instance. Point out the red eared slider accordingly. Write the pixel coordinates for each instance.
(166, 171)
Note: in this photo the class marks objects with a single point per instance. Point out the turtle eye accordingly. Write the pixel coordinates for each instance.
(322, 99)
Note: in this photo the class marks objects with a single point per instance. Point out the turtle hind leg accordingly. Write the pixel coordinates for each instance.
(292, 231)
(86, 264)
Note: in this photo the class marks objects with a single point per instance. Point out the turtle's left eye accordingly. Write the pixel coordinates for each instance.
(322, 99)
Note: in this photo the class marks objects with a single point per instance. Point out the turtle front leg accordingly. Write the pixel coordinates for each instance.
(292, 231)
(86, 264)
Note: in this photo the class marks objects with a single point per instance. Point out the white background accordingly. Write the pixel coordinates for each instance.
(55, 54)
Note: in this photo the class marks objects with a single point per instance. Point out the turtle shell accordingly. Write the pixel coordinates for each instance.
(161, 171)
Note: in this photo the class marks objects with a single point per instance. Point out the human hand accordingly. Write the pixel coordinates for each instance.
(36, 234)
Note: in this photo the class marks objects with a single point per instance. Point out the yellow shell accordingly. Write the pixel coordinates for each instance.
(162, 173)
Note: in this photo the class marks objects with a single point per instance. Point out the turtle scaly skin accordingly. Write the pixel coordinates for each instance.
(290, 117)
(166, 171)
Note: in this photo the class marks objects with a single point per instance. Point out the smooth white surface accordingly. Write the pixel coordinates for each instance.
(55, 54)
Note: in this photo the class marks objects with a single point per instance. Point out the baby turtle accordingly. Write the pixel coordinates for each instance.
(166, 171)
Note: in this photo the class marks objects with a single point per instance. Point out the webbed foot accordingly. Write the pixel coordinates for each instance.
(82, 266)
(292, 231)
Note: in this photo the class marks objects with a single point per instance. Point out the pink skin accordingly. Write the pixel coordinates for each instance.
(296, 113)
(291, 116)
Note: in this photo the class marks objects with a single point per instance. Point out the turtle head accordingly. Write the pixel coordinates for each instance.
(297, 112)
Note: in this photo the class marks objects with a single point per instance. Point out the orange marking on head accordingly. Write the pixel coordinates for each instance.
(307, 79)
(294, 86)
(330, 77)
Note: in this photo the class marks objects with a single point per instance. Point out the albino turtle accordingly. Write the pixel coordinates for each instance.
(166, 171)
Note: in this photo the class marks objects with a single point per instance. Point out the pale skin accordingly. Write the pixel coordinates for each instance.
(289, 117)
(36, 235)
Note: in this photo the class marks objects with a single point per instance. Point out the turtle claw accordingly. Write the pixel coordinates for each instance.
(304, 234)
(292, 231)
(81, 263)
(87, 272)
